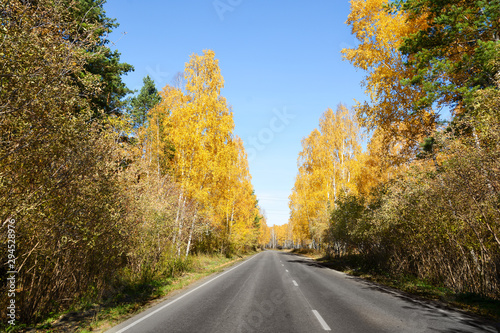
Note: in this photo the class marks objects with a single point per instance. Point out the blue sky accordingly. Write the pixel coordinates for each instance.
(281, 64)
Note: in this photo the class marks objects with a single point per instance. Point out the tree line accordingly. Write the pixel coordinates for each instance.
(422, 199)
(108, 189)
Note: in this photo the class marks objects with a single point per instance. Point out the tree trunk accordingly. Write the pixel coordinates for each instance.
(179, 218)
(190, 235)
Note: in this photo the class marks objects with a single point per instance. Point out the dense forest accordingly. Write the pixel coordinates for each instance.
(98, 188)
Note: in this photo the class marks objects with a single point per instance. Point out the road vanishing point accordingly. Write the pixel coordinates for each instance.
(282, 292)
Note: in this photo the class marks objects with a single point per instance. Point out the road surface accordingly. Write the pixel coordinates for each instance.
(282, 292)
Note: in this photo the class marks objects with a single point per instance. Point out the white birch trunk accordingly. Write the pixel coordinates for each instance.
(190, 235)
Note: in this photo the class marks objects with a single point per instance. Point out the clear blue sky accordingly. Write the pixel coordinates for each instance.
(281, 64)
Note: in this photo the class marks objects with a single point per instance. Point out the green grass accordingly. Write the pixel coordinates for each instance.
(131, 298)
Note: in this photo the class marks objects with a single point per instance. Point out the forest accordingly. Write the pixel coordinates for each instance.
(102, 187)
(423, 198)
(99, 188)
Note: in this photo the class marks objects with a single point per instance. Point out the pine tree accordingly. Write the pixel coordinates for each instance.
(458, 50)
(141, 104)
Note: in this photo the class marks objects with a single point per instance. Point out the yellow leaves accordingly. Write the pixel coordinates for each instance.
(199, 124)
(210, 162)
(203, 75)
(370, 168)
(391, 105)
(325, 165)
(264, 233)
(377, 29)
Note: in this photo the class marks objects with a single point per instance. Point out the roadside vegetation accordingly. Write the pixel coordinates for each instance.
(105, 193)
(131, 296)
(111, 198)
(418, 208)
(356, 266)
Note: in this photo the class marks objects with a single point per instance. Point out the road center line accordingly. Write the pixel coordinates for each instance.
(181, 297)
(321, 321)
(295, 283)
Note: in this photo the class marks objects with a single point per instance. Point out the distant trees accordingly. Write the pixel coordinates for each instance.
(325, 166)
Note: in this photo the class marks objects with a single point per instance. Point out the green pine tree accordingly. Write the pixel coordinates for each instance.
(458, 52)
(140, 105)
(105, 63)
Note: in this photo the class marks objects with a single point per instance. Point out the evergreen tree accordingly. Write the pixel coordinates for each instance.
(104, 62)
(140, 105)
(458, 51)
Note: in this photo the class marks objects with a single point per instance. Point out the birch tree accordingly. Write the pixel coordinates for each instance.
(392, 102)
(325, 170)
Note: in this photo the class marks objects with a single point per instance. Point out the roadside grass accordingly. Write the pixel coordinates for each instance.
(355, 265)
(131, 298)
(308, 252)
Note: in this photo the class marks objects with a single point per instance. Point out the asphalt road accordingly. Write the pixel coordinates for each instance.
(282, 292)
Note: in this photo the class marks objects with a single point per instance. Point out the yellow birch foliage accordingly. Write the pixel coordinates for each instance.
(209, 162)
(371, 169)
(325, 170)
(264, 234)
(160, 147)
(298, 210)
(199, 125)
(241, 209)
(391, 105)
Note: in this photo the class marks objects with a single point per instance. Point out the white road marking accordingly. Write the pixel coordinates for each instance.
(295, 283)
(286, 270)
(175, 300)
(321, 321)
(282, 265)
